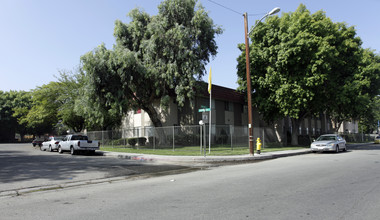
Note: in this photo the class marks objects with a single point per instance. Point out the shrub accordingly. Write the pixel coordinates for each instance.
(132, 141)
(304, 140)
(141, 141)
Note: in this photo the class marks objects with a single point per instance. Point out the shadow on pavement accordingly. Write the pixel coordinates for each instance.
(18, 167)
(368, 146)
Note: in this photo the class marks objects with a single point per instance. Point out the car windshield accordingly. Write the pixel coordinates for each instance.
(326, 138)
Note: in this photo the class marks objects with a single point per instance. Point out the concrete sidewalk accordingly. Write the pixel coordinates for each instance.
(211, 159)
(204, 159)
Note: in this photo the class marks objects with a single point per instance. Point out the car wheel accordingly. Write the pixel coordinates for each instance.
(72, 151)
(60, 149)
(41, 148)
(51, 150)
(337, 149)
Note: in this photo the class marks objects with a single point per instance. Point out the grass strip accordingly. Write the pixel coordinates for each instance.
(194, 151)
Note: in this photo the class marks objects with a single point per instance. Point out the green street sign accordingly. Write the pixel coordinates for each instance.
(204, 109)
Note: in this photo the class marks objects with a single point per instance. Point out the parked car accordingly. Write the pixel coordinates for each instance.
(51, 144)
(74, 143)
(377, 140)
(37, 141)
(329, 142)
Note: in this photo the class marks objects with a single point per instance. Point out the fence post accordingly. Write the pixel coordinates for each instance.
(173, 139)
(263, 137)
(204, 136)
(102, 138)
(154, 138)
(200, 148)
(125, 137)
(232, 148)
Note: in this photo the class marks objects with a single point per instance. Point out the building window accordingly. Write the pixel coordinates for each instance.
(227, 106)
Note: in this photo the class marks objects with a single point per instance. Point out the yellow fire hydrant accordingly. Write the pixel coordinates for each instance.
(258, 145)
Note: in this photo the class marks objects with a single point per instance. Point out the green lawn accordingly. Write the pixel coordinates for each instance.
(193, 151)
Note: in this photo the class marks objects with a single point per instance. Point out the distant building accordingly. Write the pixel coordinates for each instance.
(228, 108)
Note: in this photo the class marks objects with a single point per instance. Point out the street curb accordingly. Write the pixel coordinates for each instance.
(203, 159)
(23, 191)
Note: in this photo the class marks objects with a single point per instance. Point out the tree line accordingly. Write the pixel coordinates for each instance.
(302, 64)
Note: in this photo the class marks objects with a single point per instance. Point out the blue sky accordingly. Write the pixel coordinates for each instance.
(41, 37)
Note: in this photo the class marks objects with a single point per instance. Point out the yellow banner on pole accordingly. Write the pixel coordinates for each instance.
(209, 82)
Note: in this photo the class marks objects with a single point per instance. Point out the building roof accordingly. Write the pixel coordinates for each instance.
(222, 93)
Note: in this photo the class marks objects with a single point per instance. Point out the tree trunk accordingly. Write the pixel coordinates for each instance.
(286, 132)
(160, 137)
(336, 124)
(295, 131)
(278, 131)
(153, 115)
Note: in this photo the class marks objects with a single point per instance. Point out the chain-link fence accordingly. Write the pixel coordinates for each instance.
(185, 138)
(358, 138)
(197, 138)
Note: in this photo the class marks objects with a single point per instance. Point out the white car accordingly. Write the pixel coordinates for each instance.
(51, 144)
(76, 142)
(377, 140)
(329, 142)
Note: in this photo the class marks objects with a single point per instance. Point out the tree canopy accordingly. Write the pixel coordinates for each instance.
(10, 103)
(304, 64)
(154, 57)
(50, 108)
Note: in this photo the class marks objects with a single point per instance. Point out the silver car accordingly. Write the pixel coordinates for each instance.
(51, 144)
(329, 142)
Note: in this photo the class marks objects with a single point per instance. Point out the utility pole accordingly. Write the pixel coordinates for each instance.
(249, 91)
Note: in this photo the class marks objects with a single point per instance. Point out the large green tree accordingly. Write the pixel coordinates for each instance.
(154, 58)
(68, 99)
(369, 120)
(49, 108)
(13, 104)
(42, 116)
(304, 64)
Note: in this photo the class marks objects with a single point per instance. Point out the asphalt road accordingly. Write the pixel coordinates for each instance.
(313, 186)
(23, 166)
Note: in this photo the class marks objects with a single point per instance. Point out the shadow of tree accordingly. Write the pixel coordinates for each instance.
(364, 147)
(39, 169)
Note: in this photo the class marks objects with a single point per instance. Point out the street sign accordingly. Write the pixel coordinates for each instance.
(204, 109)
(205, 117)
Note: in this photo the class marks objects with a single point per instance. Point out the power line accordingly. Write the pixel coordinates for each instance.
(225, 7)
(230, 9)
